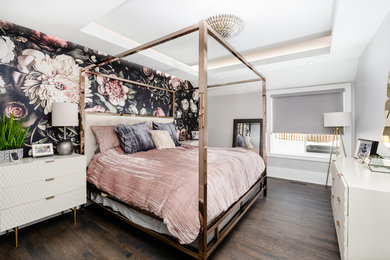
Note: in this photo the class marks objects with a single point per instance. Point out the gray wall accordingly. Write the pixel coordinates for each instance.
(223, 109)
(371, 84)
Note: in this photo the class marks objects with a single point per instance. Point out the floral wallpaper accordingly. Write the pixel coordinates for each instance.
(38, 69)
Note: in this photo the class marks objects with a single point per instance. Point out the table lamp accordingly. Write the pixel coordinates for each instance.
(63, 115)
(336, 120)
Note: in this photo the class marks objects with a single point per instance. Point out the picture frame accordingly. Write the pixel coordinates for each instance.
(41, 150)
(364, 149)
(195, 135)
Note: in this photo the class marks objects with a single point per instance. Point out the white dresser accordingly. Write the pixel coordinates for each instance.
(361, 209)
(35, 188)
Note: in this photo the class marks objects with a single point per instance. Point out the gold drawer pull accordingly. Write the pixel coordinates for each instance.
(49, 161)
(338, 200)
(339, 174)
(338, 224)
(49, 198)
(50, 179)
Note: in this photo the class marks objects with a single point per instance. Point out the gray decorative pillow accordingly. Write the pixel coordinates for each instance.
(135, 138)
(170, 127)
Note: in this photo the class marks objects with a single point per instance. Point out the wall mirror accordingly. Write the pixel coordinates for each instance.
(386, 129)
(247, 133)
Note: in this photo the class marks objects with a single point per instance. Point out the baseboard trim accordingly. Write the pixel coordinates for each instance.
(297, 175)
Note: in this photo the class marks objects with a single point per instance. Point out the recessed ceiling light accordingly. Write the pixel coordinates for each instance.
(311, 62)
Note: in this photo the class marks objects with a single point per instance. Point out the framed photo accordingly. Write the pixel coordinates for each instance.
(39, 150)
(364, 149)
(195, 135)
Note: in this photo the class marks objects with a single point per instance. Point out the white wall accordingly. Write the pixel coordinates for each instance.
(371, 86)
(223, 109)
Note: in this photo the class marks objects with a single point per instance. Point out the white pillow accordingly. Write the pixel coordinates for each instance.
(162, 139)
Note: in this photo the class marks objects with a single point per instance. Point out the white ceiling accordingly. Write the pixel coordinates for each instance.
(270, 26)
(266, 22)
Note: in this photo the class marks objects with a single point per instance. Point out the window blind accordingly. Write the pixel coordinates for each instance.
(304, 112)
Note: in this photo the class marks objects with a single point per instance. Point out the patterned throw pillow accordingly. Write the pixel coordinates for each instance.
(135, 138)
(162, 139)
(170, 127)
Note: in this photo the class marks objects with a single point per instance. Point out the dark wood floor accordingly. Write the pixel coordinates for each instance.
(293, 222)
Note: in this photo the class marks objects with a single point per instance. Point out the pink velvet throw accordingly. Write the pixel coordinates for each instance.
(165, 182)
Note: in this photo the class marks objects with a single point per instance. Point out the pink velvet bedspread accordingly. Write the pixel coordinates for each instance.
(165, 182)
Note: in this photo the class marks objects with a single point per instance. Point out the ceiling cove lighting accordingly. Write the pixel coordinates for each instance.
(227, 25)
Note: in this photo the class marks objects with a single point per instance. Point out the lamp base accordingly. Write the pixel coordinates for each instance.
(65, 147)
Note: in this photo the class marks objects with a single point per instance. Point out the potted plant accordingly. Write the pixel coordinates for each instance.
(12, 135)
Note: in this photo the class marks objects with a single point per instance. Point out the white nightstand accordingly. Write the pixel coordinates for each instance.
(35, 188)
(190, 142)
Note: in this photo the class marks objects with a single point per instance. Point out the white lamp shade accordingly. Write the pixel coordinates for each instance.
(64, 114)
(337, 119)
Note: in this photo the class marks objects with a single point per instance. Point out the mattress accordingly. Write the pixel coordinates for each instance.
(165, 182)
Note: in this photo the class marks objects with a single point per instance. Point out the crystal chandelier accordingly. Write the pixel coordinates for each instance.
(227, 25)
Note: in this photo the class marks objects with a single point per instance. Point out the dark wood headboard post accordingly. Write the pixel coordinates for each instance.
(202, 117)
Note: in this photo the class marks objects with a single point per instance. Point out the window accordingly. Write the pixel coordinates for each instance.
(296, 119)
(301, 144)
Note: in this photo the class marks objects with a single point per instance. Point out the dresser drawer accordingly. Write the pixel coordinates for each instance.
(17, 216)
(32, 170)
(29, 192)
(342, 236)
(339, 193)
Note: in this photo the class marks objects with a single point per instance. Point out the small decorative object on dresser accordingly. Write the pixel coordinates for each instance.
(37, 188)
(364, 149)
(12, 135)
(379, 165)
(65, 114)
(41, 150)
(195, 135)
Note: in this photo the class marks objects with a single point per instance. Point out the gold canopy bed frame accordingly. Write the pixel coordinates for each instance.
(246, 201)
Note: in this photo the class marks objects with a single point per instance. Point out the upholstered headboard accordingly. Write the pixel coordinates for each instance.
(92, 119)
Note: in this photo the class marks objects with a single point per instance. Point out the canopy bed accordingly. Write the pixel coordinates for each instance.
(211, 230)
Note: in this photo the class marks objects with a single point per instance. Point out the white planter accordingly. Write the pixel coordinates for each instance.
(5, 155)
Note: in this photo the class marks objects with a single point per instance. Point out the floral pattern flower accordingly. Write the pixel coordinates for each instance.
(49, 80)
(114, 89)
(185, 104)
(48, 42)
(158, 112)
(175, 82)
(97, 108)
(18, 109)
(6, 49)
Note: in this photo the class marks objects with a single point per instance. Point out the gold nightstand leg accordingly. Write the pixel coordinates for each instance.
(74, 215)
(16, 236)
